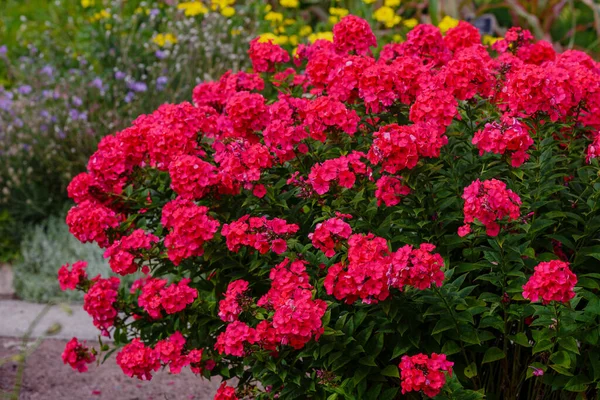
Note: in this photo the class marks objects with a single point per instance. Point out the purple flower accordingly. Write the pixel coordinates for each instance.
(77, 102)
(24, 89)
(137, 86)
(161, 82)
(61, 134)
(47, 70)
(3, 50)
(47, 94)
(97, 83)
(119, 75)
(129, 97)
(154, 12)
(160, 54)
(45, 114)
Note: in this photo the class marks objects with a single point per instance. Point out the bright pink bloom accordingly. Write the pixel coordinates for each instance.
(225, 392)
(390, 190)
(423, 373)
(395, 148)
(265, 55)
(551, 281)
(328, 234)
(69, 280)
(90, 221)
(418, 268)
(259, 233)
(353, 34)
(230, 307)
(509, 136)
(77, 355)
(99, 302)
(170, 352)
(489, 201)
(135, 359)
(342, 171)
(324, 114)
(191, 178)
(123, 252)
(231, 342)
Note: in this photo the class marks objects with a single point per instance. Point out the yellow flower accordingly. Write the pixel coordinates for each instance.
(289, 3)
(398, 38)
(87, 3)
(236, 32)
(270, 37)
(447, 23)
(333, 19)
(387, 16)
(163, 39)
(220, 4)
(305, 30)
(192, 8)
(369, 1)
(107, 27)
(410, 23)
(294, 40)
(490, 40)
(340, 12)
(391, 3)
(100, 15)
(320, 35)
(289, 21)
(274, 17)
(268, 8)
(228, 12)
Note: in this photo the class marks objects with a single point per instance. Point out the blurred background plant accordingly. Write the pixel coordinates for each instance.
(73, 71)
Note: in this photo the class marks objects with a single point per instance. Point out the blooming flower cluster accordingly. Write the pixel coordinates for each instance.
(122, 252)
(371, 270)
(489, 202)
(551, 281)
(69, 280)
(156, 296)
(424, 373)
(342, 171)
(99, 302)
(509, 136)
(77, 355)
(329, 233)
(259, 233)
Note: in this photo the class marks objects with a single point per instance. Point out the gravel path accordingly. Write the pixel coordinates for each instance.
(47, 378)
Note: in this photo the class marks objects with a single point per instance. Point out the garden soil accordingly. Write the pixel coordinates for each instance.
(47, 378)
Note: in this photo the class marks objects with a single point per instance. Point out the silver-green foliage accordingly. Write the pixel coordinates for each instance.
(45, 248)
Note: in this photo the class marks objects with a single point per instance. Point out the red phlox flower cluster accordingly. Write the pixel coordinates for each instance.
(343, 80)
(410, 77)
(239, 162)
(77, 355)
(509, 135)
(171, 352)
(469, 73)
(216, 94)
(322, 60)
(395, 148)
(79, 188)
(489, 201)
(423, 373)
(175, 132)
(108, 166)
(418, 268)
(191, 177)
(297, 317)
(435, 106)
(99, 302)
(139, 360)
(124, 251)
(341, 170)
(329, 233)
(89, 222)
(265, 55)
(377, 87)
(390, 190)
(537, 53)
(462, 36)
(247, 113)
(551, 281)
(284, 132)
(426, 42)
(231, 306)
(69, 280)
(325, 113)
(353, 35)
(156, 296)
(189, 228)
(231, 341)
(225, 393)
(364, 275)
(259, 233)
(515, 38)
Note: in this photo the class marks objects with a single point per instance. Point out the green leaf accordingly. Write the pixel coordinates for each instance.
(389, 394)
(561, 370)
(333, 397)
(520, 339)
(493, 354)
(542, 345)
(561, 358)
(471, 370)
(569, 343)
(391, 370)
(442, 325)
